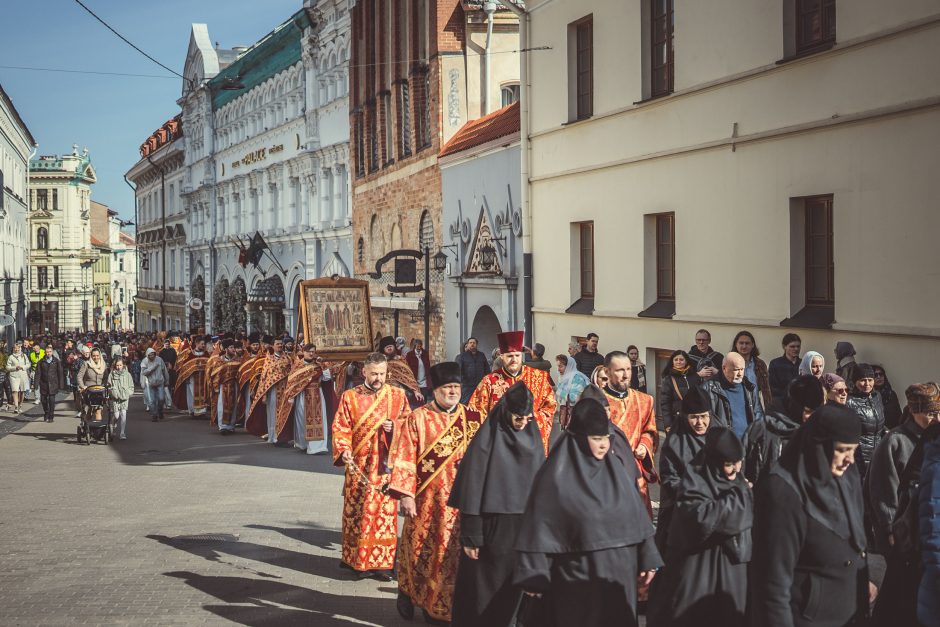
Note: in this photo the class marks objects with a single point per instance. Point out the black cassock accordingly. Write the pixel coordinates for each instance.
(680, 448)
(490, 491)
(709, 547)
(585, 536)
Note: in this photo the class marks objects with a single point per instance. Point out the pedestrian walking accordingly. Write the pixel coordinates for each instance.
(638, 374)
(570, 385)
(755, 369)
(588, 358)
(6, 394)
(18, 375)
(866, 403)
(813, 363)
(785, 368)
(705, 360)
(50, 378)
(473, 367)
(154, 370)
(121, 386)
(889, 398)
(836, 389)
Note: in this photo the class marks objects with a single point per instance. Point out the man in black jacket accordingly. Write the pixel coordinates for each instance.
(734, 398)
(473, 367)
(589, 358)
(50, 378)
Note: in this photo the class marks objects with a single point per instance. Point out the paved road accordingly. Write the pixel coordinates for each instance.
(174, 526)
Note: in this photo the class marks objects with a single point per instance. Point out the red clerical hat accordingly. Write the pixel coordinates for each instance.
(511, 341)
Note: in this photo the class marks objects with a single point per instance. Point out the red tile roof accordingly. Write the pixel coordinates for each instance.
(477, 132)
(97, 242)
(127, 239)
(171, 129)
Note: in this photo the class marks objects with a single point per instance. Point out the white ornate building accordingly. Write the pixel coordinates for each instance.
(16, 148)
(266, 150)
(123, 276)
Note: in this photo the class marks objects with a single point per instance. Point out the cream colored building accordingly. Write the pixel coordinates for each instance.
(713, 164)
(61, 277)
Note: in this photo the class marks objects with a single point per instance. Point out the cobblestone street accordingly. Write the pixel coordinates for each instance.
(174, 526)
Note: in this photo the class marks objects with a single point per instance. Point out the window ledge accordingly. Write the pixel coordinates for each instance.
(652, 98)
(577, 120)
(823, 47)
(583, 306)
(659, 309)
(811, 317)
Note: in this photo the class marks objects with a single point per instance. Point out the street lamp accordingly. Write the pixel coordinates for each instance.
(440, 261)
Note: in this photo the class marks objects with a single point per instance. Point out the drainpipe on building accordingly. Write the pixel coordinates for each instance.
(163, 239)
(136, 257)
(489, 8)
(526, 149)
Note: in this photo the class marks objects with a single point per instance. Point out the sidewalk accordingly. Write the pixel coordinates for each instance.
(29, 412)
(174, 526)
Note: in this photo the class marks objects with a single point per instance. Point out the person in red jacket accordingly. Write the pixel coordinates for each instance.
(420, 365)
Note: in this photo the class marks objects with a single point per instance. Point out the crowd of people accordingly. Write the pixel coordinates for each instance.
(527, 499)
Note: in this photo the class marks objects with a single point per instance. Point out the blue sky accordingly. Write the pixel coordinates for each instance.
(112, 115)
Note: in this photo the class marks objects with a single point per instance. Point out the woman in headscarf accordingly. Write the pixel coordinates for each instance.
(865, 401)
(810, 563)
(709, 543)
(600, 376)
(678, 378)
(682, 444)
(490, 492)
(889, 398)
(586, 539)
(570, 386)
(837, 391)
(813, 363)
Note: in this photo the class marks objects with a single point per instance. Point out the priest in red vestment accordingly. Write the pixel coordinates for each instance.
(427, 449)
(249, 373)
(495, 384)
(399, 372)
(190, 388)
(303, 405)
(632, 411)
(225, 403)
(363, 430)
(262, 417)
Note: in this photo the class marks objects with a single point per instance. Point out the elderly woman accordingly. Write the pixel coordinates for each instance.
(18, 374)
(570, 386)
(813, 363)
(837, 391)
(865, 401)
(121, 385)
(600, 376)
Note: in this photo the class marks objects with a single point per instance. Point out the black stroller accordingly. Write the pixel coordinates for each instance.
(95, 426)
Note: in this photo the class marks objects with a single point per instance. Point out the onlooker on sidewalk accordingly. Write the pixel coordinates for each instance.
(536, 359)
(158, 377)
(638, 376)
(473, 367)
(420, 364)
(706, 361)
(785, 368)
(169, 357)
(50, 378)
(18, 375)
(845, 360)
(122, 388)
(735, 403)
(588, 358)
(6, 394)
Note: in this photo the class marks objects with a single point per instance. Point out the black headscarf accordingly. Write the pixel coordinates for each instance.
(579, 503)
(496, 472)
(805, 464)
(683, 441)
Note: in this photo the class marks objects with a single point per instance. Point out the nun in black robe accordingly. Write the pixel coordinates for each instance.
(586, 536)
(810, 565)
(681, 446)
(490, 491)
(709, 544)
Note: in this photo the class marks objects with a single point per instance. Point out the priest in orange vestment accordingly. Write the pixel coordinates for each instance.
(632, 411)
(363, 430)
(303, 404)
(495, 384)
(249, 372)
(425, 454)
(262, 417)
(399, 372)
(225, 403)
(190, 388)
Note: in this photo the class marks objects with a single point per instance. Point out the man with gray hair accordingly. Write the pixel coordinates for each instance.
(734, 399)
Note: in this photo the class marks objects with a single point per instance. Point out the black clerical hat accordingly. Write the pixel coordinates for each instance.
(444, 373)
(696, 401)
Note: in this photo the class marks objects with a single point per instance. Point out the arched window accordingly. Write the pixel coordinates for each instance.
(42, 238)
(509, 93)
(426, 232)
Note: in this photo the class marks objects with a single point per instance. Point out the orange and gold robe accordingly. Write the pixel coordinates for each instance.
(370, 528)
(425, 454)
(636, 417)
(247, 378)
(495, 384)
(304, 379)
(274, 373)
(189, 365)
(222, 376)
(399, 373)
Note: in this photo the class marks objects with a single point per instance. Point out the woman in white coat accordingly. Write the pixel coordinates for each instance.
(18, 375)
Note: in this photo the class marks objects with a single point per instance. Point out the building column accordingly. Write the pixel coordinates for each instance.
(338, 195)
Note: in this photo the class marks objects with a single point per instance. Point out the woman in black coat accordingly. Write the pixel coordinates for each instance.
(865, 401)
(586, 539)
(810, 565)
(709, 541)
(889, 398)
(678, 378)
(681, 446)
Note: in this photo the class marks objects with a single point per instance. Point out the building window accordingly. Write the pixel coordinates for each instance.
(55, 276)
(361, 251)
(815, 25)
(373, 139)
(404, 126)
(510, 94)
(581, 69)
(818, 252)
(666, 257)
(42, 200)
(360, 146)
(426, 232)
(586, 230)
(662, 70)
(387, 140)
(55, 200)
(42, 238)
(42, 276)
(812, 276)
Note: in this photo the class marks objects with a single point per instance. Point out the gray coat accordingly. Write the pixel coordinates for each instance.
(155, 371)
(883, 482)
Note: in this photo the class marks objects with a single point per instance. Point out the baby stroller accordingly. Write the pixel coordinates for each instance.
(95, 399)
